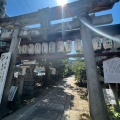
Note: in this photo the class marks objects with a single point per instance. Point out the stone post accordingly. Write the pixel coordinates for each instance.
(96, 98)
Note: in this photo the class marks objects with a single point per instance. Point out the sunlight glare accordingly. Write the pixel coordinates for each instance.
(61, 2)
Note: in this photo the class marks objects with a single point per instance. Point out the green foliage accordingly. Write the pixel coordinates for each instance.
(113, 114)
(79, 70)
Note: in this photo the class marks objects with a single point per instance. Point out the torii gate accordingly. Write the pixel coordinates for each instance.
(81, 10)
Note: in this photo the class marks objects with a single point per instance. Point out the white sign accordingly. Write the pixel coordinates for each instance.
(4, 65)
(60, 46)
(68, 45)
(52, 47)
(12, 92)
(97, 43)
(45, 47)
(31, 49)
(77, 45)
(107, 43)
(37, 48)
(109, 97)
(111, 69)
(24, 49)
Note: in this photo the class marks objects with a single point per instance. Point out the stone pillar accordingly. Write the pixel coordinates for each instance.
(96, 98)
(14, 50)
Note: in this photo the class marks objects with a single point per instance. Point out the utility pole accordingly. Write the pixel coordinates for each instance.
(96, 98)
(2, 8)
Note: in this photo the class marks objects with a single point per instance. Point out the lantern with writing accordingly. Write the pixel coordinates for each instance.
(68, 45)
(116, 43)
(60, 46)
(97, 43)
(44, 47)
(31, 49)
(24, 49)
(37, 48)
(19, 50)
(52, 47)
(107, 44)
(77, 45)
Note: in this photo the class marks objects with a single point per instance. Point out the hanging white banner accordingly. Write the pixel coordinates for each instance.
(37, 48)
(24, 49)
(97, 43)
(107, 43)
(77, 45)
(52, 47)
(68, 45)
(44, 47)
(4, 65)
(31, 49)
(60, 46)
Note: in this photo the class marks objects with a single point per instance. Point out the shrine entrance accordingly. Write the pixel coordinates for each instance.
(45, 42)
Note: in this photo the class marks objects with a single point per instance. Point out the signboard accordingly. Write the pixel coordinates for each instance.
(97, 43)
(24, 49)
(109, 96)
(44, 47)
(111, 69)
(68, 45)
(4, 65)
(117, 43)
(77, 45)
(12, 92)
(31, 49)
(60, 46)
(37, 48)
(52, 47)
(107, 43)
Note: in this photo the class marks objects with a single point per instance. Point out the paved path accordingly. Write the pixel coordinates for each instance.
(62, 103)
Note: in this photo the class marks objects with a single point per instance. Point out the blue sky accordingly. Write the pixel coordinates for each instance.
(18, 7)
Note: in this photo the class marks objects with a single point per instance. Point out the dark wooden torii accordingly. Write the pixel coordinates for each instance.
(81, 10)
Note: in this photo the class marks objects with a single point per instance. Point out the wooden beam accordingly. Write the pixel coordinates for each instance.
(55, 13)
(62, 56)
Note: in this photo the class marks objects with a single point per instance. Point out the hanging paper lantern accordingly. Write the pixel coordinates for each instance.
(44, 47)
(20, 50)
(52, 47)
(97, 43)
(107, 43)
(24, 49)
(77, 45)
(60, 46)
(31, 49)
(37, 48)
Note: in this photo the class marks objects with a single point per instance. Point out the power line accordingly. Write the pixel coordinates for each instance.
(28, 5)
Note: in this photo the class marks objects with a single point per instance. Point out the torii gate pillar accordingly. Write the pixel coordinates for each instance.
(96, 98)
(14, 50)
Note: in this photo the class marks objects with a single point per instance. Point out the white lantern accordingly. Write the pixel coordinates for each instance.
(68, 45)
(31, 49)
(117, 43)
(107, 43)
(77, 45)
(44, 47)
(97, 43)
(20, 50)
(37, 48)
(60, 46)
(24, 49)
(52, 47)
